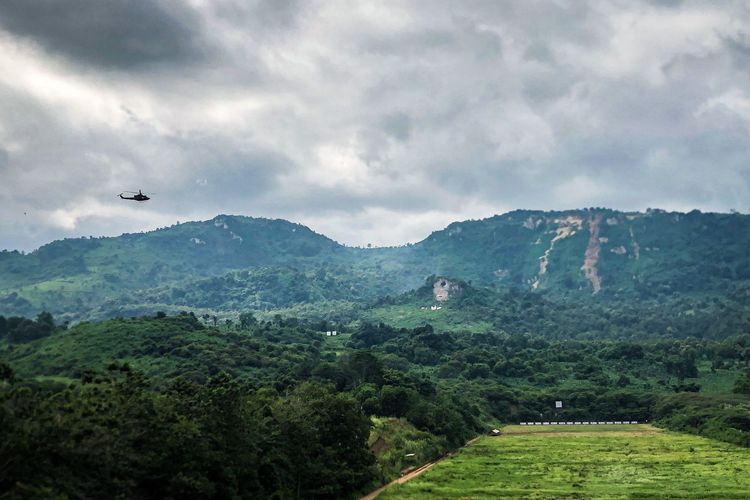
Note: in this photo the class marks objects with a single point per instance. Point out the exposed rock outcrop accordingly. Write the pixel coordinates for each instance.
(636, 247)
(443, 288)
(591, 258)
(565, 227)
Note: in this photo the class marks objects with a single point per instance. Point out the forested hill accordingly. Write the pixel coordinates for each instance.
(190, 249)
(596, 250)
(231, 263)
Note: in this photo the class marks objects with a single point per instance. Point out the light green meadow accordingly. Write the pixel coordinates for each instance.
(636, 461)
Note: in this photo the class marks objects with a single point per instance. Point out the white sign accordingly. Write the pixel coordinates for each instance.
(558, 404)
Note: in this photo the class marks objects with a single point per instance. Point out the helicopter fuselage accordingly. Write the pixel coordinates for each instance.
(137, 197)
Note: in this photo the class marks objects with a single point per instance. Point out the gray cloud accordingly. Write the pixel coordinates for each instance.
(373, 122)
(110, 33)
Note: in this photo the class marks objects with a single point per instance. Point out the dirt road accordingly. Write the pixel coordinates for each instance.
(416, 472)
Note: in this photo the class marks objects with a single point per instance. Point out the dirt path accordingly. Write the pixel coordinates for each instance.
(416, 472)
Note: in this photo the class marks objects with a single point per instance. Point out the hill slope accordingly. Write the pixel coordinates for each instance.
(232, 263)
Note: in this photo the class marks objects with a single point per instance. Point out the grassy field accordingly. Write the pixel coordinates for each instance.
(588, 462)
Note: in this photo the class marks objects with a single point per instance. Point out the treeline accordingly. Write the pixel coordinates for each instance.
(446, 412)
(17, 329)
(725, 418)
(657, 365)
(111, 437)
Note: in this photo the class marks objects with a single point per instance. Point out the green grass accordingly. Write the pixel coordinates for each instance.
(592, 462)
(719, 381)
(336, 344)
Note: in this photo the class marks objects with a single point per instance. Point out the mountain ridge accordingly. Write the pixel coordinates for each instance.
(585, 252)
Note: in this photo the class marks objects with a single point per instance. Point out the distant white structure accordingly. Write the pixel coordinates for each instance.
(435, 308)
(328, 334)
(333, 333)
(591, 422)
(558, 404)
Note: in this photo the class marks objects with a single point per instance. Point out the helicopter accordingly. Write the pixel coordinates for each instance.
(139, 196)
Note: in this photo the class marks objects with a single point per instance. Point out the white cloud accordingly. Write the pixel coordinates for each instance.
(734, 102)
(386, 227)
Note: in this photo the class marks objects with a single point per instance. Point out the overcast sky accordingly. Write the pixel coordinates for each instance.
(370, 122)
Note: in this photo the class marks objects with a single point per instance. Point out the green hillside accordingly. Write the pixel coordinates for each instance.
(165, 348)
(232, 263)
